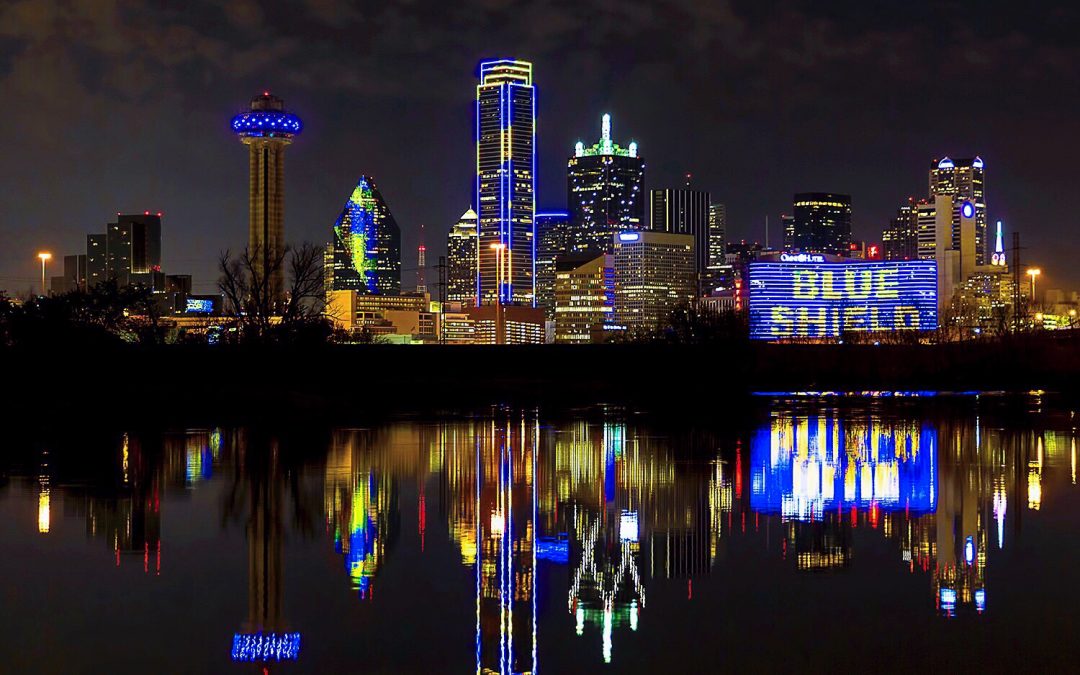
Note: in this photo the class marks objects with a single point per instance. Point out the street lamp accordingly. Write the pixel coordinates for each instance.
(499, 332)
(1033, 272)
(45, 257)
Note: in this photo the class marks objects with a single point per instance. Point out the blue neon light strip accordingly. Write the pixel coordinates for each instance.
(823, 300)
(267, 123)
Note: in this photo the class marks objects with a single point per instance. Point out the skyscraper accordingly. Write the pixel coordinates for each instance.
(266, 129)
(963, 179)
(584, 298)
(133, 245)
(506, 183)
(822, 223)
(367, 244)
(900, 238)
(716, 269)
(553, 232)
(684, 211)
(605, 191)
(654, 274)
(461, 260)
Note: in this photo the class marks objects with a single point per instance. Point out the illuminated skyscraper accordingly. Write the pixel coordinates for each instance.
(461, 260)
(506, 183)
(584, 298)
(716, 269)
(266, 129)
(822, 223)
(367, 244)
(900, 238)
(684, 211)
(654, 274)
(552, 237)
(963, 179)
(605, 191)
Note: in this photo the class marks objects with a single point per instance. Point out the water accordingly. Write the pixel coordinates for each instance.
(819, 533)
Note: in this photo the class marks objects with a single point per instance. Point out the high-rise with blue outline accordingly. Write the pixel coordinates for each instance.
(506, 183)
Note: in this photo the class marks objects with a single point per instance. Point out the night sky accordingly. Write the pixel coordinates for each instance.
(114, 106)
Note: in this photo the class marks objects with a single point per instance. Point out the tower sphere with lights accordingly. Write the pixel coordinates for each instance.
(266, 129)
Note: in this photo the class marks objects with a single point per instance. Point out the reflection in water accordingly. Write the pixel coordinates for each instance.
(605, 519)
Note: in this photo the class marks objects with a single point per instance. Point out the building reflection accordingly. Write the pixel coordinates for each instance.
(614, 516)
(942, 492)
(361, 502)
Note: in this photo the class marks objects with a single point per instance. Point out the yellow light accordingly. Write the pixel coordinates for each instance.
(43, 510)
(44, 255)
(498, 247)
(1034, 272)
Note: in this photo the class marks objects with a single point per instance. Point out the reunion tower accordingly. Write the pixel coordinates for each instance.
(266, 129)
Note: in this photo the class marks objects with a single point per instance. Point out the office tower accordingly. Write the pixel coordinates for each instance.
(97, 269)
(552, 236)
(963, 179)
(605, 191)
(926, 228)
(684, 211)
(421, 264)
(74, 278)
(822, 223)
(133, 246)
(584, 298)
(461, 260)
(506, 183)
(266, 129)
(716, 271)
(787, 225)
(654, 274)
(367, 244)
(717, 234)
(900, 239)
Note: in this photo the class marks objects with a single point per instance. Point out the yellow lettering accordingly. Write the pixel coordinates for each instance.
(906, 317)
(805, 287)
(887, 284)
(819, 318)
(865, 284)
(829, 291)
(855, 318)
(781, 321)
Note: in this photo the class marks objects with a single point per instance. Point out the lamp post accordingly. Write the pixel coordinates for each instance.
(1033, 272)
(45, 257)
(500, 337)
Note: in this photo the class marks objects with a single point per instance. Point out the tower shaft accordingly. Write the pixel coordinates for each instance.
(266, 223)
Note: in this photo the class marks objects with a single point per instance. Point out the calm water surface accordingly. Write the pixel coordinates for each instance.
(821, 533)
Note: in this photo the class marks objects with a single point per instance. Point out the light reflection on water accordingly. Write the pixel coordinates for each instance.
(574, 540)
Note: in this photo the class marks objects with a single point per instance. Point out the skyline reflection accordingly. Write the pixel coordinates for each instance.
(589, 530)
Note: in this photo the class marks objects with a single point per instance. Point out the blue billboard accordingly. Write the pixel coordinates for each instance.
(802, 296)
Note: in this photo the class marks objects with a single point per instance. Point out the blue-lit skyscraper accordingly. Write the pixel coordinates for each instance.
(506, 183)
(367, 244)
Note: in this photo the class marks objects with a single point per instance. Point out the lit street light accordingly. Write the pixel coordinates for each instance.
(1033, 272)
(45, 257)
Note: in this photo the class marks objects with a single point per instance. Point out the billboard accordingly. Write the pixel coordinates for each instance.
(802, 296)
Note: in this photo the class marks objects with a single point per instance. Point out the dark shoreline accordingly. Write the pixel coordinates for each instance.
(127, 383)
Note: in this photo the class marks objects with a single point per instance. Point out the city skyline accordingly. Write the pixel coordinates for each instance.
(747, 154)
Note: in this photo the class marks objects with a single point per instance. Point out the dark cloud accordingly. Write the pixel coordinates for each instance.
(118, 105)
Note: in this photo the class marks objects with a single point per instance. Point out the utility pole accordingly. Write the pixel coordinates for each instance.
(1016, 281)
